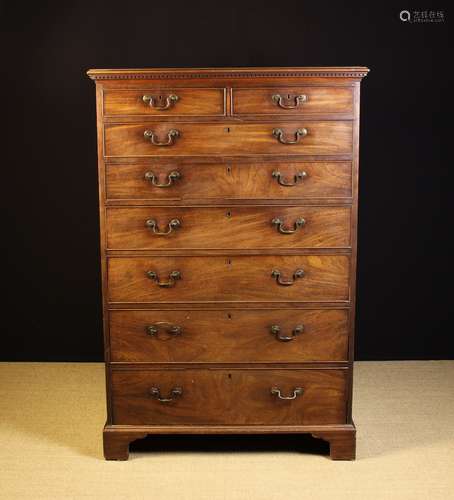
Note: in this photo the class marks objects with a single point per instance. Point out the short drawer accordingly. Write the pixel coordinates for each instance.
(292, 100)
(228, 228)
(271, 180)
(235, 336)
(252, 278)
(234, 396)
(214, 139)
(164, 102)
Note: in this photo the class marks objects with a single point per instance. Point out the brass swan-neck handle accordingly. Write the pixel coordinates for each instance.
(153, 179)
(176, 392)
(172, 136)
(159, 102)
(297, 391)
(174, 276)
(299, 176)
(276, 330)
(299, 273)
(286, 102)
(171, 226)
(279, 134)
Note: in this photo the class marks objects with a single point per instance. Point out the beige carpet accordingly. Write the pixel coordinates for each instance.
(51, 416)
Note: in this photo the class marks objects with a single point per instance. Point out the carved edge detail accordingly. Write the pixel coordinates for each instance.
(176, 76)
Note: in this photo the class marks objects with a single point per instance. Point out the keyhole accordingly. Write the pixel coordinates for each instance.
(229, 214)
(229, 316)
(288, 96)
(227, 129)
(229, 169)
(229, 262)
(230, 375)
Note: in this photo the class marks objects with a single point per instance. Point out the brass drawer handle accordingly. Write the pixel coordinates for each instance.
(171, 330)
(172, 135)
(299, 273)
(299, 223)
(285, 103)
(173, 176)
(279, 134)
(276, 330)
(300, 176)
(173, 277)
(175, 393)
(297, 391)
(153, 102)
(153, 226)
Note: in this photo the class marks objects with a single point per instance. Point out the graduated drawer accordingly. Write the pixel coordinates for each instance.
(274, 180)
(178, 138)
(252, 278)
(235, 336)
(229, 396)
(164, 102)
(292, 100)
(233, 227)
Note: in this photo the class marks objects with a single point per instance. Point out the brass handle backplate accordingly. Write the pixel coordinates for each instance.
(173, 176)
(299, 273)
(276, 330)
(279, 134)
(160, 103)
(286, 102)
(300, 176)
(299, 223)
(153, 226)
(172, 136)
(175, 393)
(173, 277)
(171, 330)
(297, 391)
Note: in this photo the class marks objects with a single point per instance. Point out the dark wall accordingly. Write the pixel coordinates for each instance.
(51, 270)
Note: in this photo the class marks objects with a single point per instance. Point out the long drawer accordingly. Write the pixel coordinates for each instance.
(229, 279)
(223, 336)
(177, 138)
(234, 396)
(173, 180)
(213, 228)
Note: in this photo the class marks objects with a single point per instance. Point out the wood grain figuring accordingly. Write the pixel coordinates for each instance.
(220, 396)
(240, 336)
(318, 100)
(213, 227)
(191, 102)
(324, 137)
(230, 181)
(225, 279)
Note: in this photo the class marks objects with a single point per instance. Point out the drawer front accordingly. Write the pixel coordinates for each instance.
(229, 279)
(274, 180)
(235, 396)
(237, 336)
(292, 100)
(177, 138)
(221, 228)
(164, 102)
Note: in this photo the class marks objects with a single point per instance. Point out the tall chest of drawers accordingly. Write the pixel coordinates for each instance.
(228, 210)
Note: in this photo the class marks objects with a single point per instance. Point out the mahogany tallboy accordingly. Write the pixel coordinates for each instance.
(228, 208)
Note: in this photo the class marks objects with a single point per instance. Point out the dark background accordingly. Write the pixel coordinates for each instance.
(49, 178)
